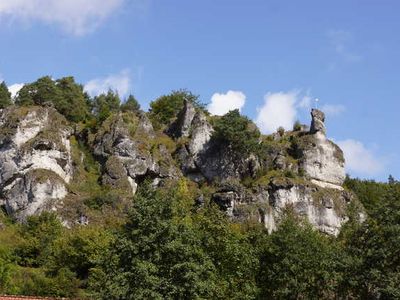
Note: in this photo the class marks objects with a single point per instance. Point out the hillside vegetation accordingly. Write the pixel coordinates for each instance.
(169, 226)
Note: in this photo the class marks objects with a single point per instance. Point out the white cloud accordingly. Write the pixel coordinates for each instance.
(359, 159)
(223, 103)
(279, 110)
(14, 88)
(333, 109)
(120, 83)
(284, 108)
(77, 17)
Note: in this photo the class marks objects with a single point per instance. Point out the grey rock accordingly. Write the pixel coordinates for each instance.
(130, 156)
(317, 122)
(35, 159)
(183, 123)
(201, 157)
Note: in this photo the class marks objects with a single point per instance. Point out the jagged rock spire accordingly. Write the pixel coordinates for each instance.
(317, 122)
(181, 127)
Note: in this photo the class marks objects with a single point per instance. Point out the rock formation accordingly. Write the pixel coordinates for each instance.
(35, 159)
(320, 158)
(314, 191)
(129, 149)
(202, 158)
(299, 170)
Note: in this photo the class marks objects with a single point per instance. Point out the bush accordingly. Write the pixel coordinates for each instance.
(237, 132)
(297, 126)
(281, 131)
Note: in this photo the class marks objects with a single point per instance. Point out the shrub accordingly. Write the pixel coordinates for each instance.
(237, 132)
(297, 126)
(281, 131)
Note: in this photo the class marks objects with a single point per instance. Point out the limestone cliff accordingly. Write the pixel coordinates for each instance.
(39, 166)
(130, 151)
(35, 159)
(200, 156)
(301, 170)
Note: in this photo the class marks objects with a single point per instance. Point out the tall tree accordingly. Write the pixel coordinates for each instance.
(131, 104)
(105, 104)
(157, 256)
(299, 263)
(64, 94)
(5, 96)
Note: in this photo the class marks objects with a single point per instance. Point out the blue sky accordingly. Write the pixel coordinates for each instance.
(269, 58)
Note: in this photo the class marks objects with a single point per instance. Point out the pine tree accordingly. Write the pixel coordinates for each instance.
(131, 104)
(5, 96)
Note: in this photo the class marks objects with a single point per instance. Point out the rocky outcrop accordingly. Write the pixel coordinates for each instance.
(130, 151)
(35, 159)
(320, 159)
(306, 177)
(300, 170)
(200, 157)
(324, 208)
(317, 122)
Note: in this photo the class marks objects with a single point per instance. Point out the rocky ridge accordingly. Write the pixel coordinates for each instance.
(315, 191)
(300, 170)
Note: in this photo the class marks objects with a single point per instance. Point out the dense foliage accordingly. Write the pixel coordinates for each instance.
(170, 249)
(237, 132)
(165, 108)
(131, 104)
(64, 94)
(5, 96)
(162, 245)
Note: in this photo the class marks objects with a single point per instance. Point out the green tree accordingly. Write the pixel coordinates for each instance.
(157, 255)
(164, 109)
(72, 102)
(64, 94)
(373, 270)
(105, 104)
(131, 104)
(298, 262)
(40, 92)
(78, 250)
(5, 96)
(39, 234)
(231, 252)
(237, 132)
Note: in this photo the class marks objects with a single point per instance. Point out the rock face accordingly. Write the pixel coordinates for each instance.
(316, 193)
(321, 159)
(300, 170)
(200, 157)
(324, 208)
(130, 151)
(35, 159)
(317, 122)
